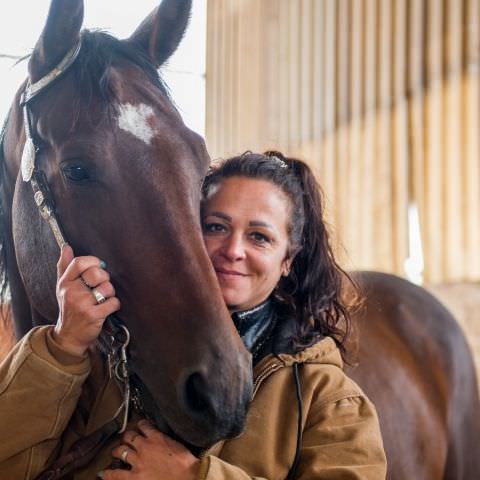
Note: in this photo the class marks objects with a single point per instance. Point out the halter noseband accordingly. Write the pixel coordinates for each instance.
(115, 337)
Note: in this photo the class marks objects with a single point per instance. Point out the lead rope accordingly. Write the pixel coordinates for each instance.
(298, 389)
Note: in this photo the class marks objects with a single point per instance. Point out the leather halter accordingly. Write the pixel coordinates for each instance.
(115, 337)
(36, 177)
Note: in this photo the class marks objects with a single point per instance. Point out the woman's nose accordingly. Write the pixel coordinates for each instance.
(233, 248)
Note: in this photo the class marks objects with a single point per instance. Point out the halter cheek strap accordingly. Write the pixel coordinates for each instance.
(30, 173)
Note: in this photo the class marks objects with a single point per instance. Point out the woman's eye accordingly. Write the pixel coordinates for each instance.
(76, 173)
(213, 228)
(260, 237)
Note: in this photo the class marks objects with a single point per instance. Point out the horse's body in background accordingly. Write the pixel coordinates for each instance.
(125, 174)
(415, 365)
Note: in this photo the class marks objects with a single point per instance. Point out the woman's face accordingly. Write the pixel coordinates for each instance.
(245, 228)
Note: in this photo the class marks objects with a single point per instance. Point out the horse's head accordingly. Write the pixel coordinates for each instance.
(125, 173)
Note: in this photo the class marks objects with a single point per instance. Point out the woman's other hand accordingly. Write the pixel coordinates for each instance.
(81, 317)
(152, 455)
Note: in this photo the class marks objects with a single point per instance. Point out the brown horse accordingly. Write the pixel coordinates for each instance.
(415, 364)
(125, 174)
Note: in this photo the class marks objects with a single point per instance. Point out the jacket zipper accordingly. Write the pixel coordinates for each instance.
(272, 367)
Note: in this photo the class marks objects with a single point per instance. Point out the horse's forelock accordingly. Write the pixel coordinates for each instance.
(99, 55)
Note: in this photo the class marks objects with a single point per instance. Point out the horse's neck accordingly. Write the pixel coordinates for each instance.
(20, 306)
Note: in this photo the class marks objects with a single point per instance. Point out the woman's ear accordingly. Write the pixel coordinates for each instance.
(286, 266)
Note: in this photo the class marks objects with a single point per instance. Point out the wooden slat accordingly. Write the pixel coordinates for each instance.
(327, 175)
(270, 74)
(434, 198)
(454, 149)
(471, 138)
(369, 209)
(342, 208)
(415, 142)
(317, 100)
(399, 141)
(293, 75)
(305, 80)
(382, 227)
(356, 87)
(282, 75)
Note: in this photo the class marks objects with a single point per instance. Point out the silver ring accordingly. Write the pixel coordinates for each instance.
(124, 455)
(98, 296)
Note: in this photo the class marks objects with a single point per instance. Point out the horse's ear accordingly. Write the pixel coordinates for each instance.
(161, 32)
(59, 35)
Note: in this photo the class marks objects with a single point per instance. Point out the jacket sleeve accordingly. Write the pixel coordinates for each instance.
(39, 390)
(341, 441)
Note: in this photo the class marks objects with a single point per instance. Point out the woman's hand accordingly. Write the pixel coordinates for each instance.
(81, 317)
(152, 456)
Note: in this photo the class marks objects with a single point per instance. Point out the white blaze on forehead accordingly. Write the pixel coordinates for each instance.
(134, 119)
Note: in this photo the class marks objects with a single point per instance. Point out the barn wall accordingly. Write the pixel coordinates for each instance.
(381, 97)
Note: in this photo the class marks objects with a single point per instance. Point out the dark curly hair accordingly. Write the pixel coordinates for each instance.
(312, 292)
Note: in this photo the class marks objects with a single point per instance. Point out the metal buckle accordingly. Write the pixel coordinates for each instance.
(118, 370)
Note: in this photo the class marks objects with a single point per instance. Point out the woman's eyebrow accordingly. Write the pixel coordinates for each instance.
(221, 215)
(259, 223)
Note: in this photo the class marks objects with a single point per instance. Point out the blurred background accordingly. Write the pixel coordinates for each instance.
(380, 97)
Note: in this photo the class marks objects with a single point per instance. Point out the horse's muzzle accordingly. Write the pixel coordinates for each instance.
(216, 409)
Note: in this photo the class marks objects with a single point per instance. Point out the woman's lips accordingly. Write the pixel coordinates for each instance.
(229, 273)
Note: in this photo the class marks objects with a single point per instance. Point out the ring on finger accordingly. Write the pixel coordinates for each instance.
(98, 296)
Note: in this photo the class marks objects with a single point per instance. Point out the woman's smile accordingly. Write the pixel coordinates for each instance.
(224, 272)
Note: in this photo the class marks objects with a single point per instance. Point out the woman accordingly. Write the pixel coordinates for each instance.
(265, 235)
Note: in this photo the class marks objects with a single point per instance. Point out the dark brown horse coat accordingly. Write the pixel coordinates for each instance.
(416, 367)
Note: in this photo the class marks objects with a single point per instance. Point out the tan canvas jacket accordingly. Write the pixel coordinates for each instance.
(46, 404)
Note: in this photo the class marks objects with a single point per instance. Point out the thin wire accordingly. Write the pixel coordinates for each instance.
(298, 390)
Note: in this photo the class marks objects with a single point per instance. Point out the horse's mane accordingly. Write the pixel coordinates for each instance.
(99, 52)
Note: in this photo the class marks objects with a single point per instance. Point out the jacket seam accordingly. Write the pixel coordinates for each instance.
(68, 390)
(339, 396)
(9, 379)
(28, 470)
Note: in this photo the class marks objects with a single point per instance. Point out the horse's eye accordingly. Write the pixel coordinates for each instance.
(76, 173)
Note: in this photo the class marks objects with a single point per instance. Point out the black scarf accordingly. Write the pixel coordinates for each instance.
(255, 327)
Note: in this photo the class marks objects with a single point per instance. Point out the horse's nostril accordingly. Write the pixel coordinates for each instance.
(196, 394)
